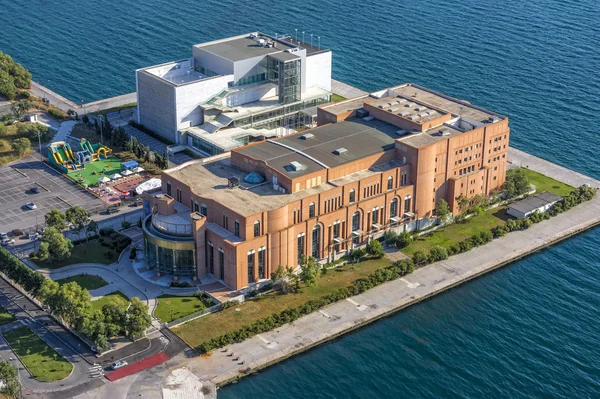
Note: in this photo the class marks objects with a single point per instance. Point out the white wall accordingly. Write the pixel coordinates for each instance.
(189, 96)
(251, 94)
(318, 70)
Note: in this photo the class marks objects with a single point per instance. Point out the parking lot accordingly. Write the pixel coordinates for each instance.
(55, 191)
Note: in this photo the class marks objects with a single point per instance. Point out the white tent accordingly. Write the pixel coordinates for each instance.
(104, 179)
(115, 176)
(138, 169)
(148, 185)
(126, 172)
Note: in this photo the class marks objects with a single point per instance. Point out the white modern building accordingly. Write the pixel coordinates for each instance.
(234, 91)
(540, 203)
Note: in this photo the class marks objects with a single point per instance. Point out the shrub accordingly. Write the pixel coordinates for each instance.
(55, 113)
(437, 253)
(419, 257)
(375, 249)
(404, 239)
(389, 237)
(133, 253)
(465, 245)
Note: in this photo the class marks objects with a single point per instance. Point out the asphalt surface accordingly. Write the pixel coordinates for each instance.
(56, 191)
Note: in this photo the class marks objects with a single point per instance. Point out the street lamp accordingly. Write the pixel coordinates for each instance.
(83, 105)
(319, 39)
(311, 35)
(296, 35)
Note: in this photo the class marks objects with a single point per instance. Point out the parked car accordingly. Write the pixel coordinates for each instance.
(34, 190)
(111, 210)
(7, 241)
(30, 205)
(118, 365)
(3, 235)
(33, 235)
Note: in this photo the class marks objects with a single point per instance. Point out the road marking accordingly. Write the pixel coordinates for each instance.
(352, 301)
(409, 284)
(324, 313)
(263, 339)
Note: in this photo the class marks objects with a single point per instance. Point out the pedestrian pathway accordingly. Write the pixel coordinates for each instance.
(64, 130)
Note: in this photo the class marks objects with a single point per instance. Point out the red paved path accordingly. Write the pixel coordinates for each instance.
(138, 366)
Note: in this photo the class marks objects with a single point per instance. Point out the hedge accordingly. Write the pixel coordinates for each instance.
(380, 276)
(17, 271)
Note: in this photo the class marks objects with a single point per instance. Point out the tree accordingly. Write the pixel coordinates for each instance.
(286, 278)
(43, 253)
(463, 203)
(56, 219)
(357, 253)
(390, 237)
(21, 145)
(93, 227)
(80, 219)
(7, 85)
(9, 376)
(375, 249)
(419, 257)
(21, 107)
(59, 247)
(138, 319)
(310, 270)
(517, 183)
(403, 240)
(443, 211)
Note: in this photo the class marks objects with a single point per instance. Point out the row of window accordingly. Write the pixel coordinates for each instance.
(261, 264)
(466, 170)
(496, 158)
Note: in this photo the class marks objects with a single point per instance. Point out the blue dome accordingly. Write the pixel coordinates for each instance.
(254, 178)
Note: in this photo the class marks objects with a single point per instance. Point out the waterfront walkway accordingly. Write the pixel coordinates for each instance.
(341, 317)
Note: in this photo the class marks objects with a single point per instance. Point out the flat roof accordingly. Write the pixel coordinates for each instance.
(209, 180)
(534, 202)
(243, 47)
(358, 138)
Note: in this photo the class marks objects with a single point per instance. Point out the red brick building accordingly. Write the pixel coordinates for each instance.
(374, 163)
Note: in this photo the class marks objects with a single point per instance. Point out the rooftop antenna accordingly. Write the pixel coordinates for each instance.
(311, 35)
(296, 35)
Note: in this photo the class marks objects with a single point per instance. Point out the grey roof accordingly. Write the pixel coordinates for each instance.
(359, 138)
(535, 202)
(284, 56)
(241, 48)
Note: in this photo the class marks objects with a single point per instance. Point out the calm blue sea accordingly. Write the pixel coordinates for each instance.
(529, 330)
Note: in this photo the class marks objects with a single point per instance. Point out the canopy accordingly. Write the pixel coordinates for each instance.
(126, 172)
(115, 176)
(129, 165)
(138, 169)
(148, 185)
(103, 179)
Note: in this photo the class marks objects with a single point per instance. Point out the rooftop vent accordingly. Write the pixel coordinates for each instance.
(493, 119)
(368, 118)
(296, 166)
(252, 35)
(307, 136)
(445, 132)
(404, 113)
(401, 132)
(233, 182)
(340, 151)
(362, 113)
(261, 42)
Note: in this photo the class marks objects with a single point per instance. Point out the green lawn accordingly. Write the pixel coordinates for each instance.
(90, 252)
(457, 232)
(6, 317)
(42, 361)
(85, 281)
(545, 183)
(336, 98)
(87, 176)
(199, 330)
(116, 296)
(180, 305)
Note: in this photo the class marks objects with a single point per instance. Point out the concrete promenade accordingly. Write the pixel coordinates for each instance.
(64, 104)
(269, 348)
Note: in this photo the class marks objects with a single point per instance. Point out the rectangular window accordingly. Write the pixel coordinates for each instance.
(261, 263)
(394, 208)
(390, 183)
(300, 248)
(222, 264)
(178, 195)
(352, 196)
(203, 210)
(316, 242)
(375, 216)
(256, 229)
(168, 188)
(407, 204)
(250, 267)
(237, 228)
(211, 259)
(196, 207)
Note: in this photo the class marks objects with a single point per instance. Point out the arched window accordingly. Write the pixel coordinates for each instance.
(257, 228)
(390, 183)
(311, 210)
(316, 241)
(203, 210)
(394, 208)
(355, 227)
(352, 195)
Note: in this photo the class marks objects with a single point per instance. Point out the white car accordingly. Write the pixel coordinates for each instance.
(33, 235)
(118, 365)
(31, 206)
(7, 241)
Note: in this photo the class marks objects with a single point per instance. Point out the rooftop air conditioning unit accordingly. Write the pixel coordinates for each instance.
(340, 151)
(368, 118)
(445, 132)
(296, 165)
(401, 132)
(261, 42)
(307, 136)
